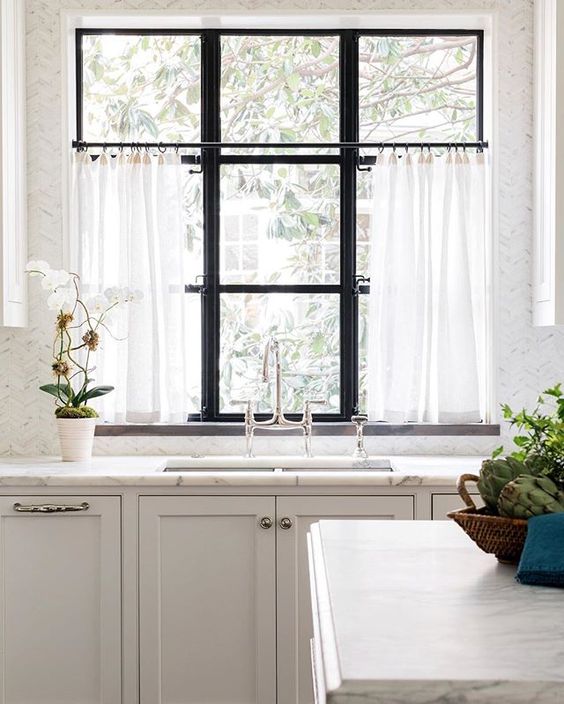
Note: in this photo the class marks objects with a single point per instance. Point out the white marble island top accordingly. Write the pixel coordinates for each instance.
(140, 470)
(415, 613)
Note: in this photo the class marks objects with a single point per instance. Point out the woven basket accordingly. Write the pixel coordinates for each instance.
(504, 537)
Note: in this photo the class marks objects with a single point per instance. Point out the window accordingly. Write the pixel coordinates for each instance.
(278, 210)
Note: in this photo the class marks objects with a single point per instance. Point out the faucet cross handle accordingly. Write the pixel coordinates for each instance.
(312, 402)
(241, 402)
(316, 402)
(248, 403)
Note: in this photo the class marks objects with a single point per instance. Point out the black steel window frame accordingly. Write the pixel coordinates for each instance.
(212, 158)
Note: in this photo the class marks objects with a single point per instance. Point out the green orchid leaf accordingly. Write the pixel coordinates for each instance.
(78, 398)
(58, 391)
(97, 391)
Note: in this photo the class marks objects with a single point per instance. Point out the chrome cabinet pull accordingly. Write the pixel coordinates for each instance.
(266, 522)
(285, 523)
(51, 508)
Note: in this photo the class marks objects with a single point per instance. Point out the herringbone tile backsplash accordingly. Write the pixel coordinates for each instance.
(528, 358)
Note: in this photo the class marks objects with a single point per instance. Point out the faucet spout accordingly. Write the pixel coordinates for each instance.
(266, 359)
(272, 345)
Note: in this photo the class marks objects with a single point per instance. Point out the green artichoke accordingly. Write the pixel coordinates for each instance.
(528, 496)
(495, 474)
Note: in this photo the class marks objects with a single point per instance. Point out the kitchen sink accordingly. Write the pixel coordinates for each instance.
(278, 464)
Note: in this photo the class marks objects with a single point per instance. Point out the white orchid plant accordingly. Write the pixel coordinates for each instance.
(78, 329)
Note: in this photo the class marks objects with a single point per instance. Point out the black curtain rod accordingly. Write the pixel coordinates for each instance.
(80, 145)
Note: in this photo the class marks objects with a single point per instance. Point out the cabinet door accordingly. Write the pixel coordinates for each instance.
(60, 601)
(293, 599)
(443, 503)
(207, 600)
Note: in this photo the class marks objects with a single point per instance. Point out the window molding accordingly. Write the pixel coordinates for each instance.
(296, 22)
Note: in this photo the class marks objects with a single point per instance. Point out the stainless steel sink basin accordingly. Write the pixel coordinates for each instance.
(278, 464)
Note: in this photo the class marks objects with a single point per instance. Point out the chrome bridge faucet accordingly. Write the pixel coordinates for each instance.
(278, 420)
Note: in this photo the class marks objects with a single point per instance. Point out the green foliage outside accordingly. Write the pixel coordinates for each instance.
(280, 89)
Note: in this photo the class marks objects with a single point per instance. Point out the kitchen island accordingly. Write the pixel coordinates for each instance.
(413, 612)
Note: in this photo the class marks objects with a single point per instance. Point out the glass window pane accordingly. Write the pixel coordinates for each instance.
(193, 266)
(279, 89)
(141, 88)
(194, 226)
(193, 353)
(364, 215)
(307, 328)
(279, 223)
(363, 302)
(417, 88)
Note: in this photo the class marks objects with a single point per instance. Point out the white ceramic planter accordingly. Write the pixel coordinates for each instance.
(76, 436)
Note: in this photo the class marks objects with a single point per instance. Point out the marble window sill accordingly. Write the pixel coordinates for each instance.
(326, 429)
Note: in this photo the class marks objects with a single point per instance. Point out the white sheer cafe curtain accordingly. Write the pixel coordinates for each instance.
(427, 306)
(127, 214)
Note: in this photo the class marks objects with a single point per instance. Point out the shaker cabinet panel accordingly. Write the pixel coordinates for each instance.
(295, 628)
(207, 600)
(60, 601)
(444, 503)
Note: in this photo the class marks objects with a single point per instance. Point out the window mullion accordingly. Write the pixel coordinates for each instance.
(211, 132)
(348, 68)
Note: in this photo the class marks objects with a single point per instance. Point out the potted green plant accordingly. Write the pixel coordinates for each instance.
(79, 327)
(525, 483)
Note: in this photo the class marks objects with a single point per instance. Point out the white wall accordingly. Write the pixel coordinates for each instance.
(528, 359)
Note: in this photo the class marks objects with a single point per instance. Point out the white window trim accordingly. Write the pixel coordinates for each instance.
(323, 19)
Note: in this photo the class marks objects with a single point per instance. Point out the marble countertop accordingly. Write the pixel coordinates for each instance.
(413, 612)
(232, 471)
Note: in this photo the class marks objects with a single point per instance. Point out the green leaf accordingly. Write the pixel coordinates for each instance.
(521, 440)
(497, 452)
(97, 391)
(55, 390)
(507, 412)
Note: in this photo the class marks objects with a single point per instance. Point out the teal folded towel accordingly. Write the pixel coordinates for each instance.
(542, 561)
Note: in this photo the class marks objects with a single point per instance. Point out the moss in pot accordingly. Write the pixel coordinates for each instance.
(79, 326)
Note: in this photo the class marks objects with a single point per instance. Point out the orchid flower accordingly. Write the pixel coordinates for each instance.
(78, 329)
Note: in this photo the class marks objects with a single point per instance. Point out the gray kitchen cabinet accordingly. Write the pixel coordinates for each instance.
(207, 600)
(60, 600)
(444, 503)
(224, 597)
(295, 629)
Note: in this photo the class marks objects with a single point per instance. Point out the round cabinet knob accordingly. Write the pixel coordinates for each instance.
(266, 522)
(285, 523)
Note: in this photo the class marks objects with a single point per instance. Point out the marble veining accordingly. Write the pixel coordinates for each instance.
(414, 613)
(149, 471)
